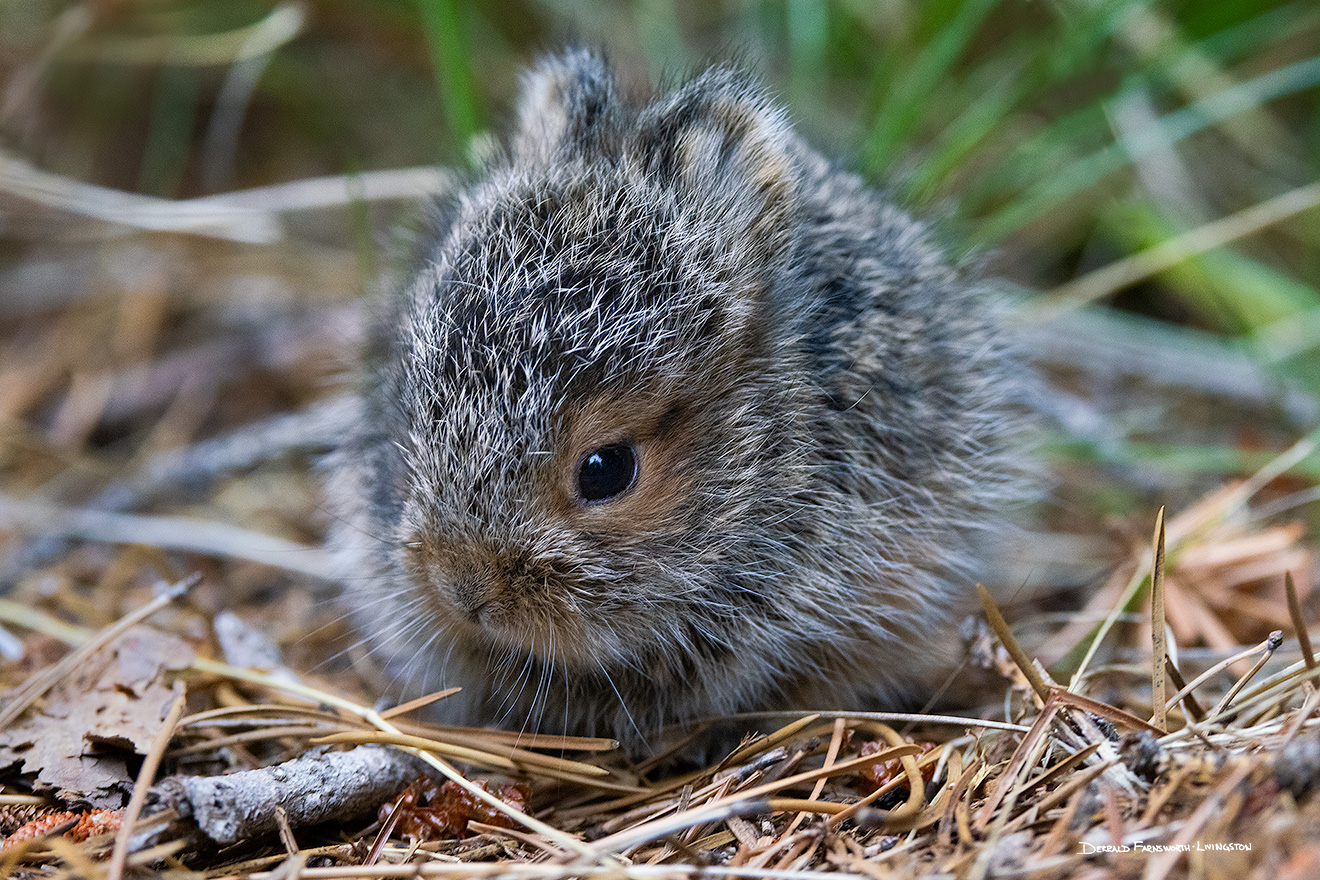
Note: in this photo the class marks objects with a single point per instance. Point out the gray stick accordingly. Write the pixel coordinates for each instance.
(341, 787)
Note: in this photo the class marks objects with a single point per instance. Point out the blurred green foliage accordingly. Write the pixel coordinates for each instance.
(1065, 135)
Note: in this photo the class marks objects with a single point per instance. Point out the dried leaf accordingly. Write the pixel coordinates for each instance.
(428, 811)
(78, 740)
(880, 775)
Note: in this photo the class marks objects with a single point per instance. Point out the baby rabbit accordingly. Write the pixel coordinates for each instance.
(675, 420)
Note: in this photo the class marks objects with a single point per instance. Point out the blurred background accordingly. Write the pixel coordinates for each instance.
(196, 194)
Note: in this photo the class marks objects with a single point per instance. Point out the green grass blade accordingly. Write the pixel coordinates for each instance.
(1054, 189)
(447, 40)
(902, 106)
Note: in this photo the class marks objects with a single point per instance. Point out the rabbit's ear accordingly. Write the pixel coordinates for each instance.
(565, 101)
(728, 149)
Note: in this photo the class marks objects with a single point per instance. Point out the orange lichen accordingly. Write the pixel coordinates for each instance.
(85, 825)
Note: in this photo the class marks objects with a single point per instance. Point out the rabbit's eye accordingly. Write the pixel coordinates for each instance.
(606, 472)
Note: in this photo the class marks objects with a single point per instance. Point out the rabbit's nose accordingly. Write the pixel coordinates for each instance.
(473, 593)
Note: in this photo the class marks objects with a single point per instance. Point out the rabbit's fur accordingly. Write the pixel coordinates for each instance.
(821, 409)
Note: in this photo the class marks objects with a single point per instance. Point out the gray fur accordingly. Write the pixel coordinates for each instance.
(825, 412)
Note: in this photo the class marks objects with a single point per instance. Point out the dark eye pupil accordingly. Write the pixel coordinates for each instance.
(607, 472)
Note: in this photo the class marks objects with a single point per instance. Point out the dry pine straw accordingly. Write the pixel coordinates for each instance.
(1213, 783)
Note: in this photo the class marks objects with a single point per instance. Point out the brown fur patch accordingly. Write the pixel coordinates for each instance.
(664, 437)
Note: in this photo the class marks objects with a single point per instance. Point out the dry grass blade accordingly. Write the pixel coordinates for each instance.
(1158, 631)
(1022, 756)
(519, 739)
(458, 753)
(156, 855)
(1298, 621)
(254, 712)
(1303, 715)
(805, 805)
(923, 718)
(250, 217)
(625, 840)
(413, 705)
(1271, 645)
(21, 800)
(37, 685)
(270, 732)
(150, 762)
(1169, 253)
(24, 180)
(836, 740)
(1216, 669)
(529, 839)
(513, 759)
(770, 740)
(1001, 628)
(719, 811)
(1194, 710)
(1280, 465)
(166, 532)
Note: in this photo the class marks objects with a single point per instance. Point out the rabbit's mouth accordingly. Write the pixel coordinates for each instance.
(521, 624)
(554, 644)
(512, 603)
(474, 598)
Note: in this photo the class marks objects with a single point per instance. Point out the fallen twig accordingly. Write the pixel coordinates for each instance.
(345, 787)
